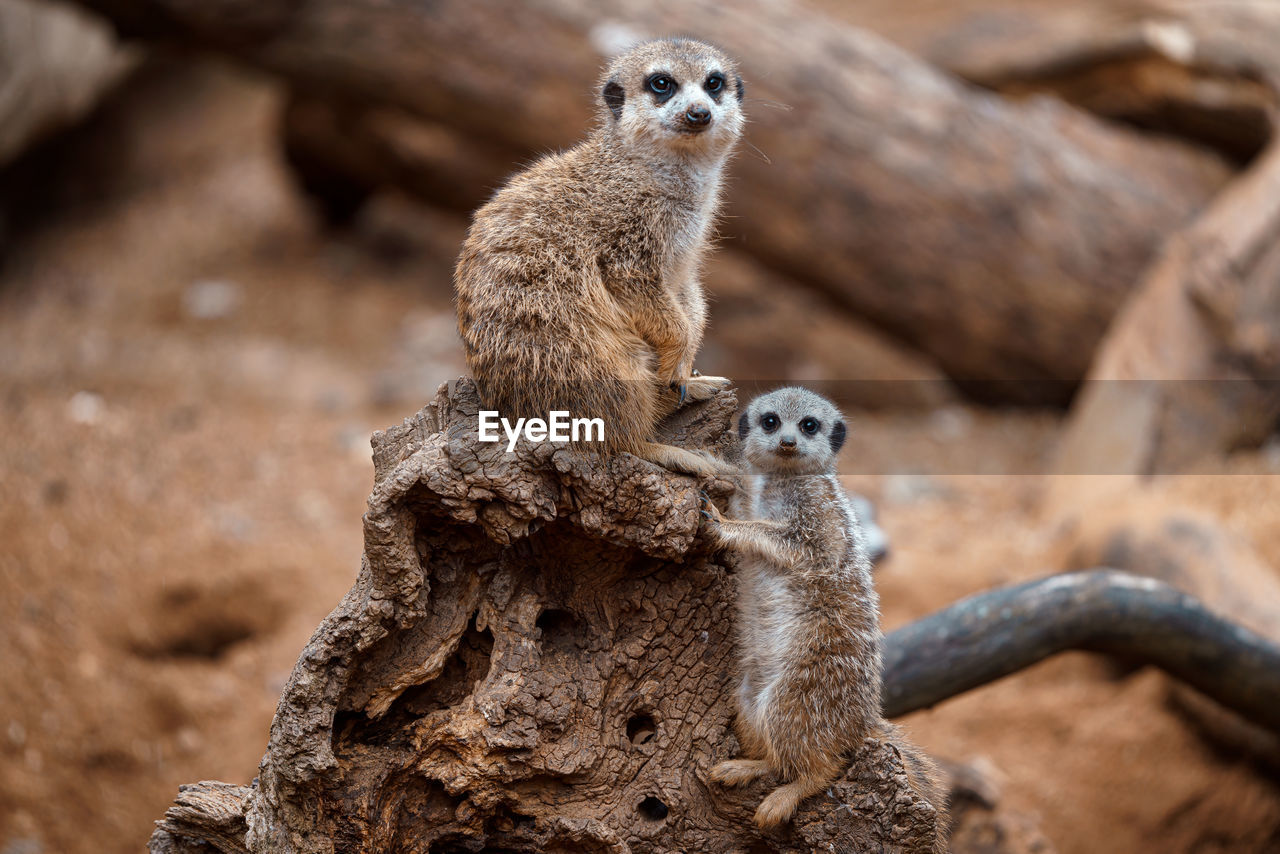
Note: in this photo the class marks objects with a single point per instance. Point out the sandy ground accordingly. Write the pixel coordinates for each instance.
(190, 368)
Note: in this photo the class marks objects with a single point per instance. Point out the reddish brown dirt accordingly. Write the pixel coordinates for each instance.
(181, 497)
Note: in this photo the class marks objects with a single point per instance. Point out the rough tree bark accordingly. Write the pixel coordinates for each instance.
(997, 237)
(537, 655)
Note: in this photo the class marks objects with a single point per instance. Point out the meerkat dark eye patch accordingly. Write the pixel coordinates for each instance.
(663, 86)
(838, 432)
(809, 426)
(770, 421)
(614, 98)
(739, 86)
(714, 85)
(744, 426)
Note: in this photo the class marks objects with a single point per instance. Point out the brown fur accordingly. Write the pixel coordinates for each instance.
(808, 614)
(577, 288)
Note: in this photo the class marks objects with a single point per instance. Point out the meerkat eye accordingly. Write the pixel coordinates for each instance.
(661, 84)
(770, 422)
(809, 426)
(715, 83)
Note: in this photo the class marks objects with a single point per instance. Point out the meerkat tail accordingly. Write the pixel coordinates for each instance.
(925, 779)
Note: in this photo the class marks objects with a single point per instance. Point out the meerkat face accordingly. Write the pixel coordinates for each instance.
(792, 430)
(677, 94)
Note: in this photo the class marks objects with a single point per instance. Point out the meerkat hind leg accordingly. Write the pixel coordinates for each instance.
(782, 803)
(683, 460)
(739, 772)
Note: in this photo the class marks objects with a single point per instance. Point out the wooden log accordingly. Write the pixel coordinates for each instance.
(1191, 366)
(1194, 70)
(999, 238)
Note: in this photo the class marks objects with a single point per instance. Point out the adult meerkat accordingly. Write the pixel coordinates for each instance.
(577, 287)
(808, 614)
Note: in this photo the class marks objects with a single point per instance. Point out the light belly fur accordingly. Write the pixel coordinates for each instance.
(767, 595)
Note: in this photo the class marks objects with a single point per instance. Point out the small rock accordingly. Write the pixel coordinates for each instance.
(85, 407)
(950, 423)
(189, 741)
(23, 846)
(877, 540)
(211, 299)
(909, 488)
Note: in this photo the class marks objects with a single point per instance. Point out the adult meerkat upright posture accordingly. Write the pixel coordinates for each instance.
(577, 288)
(808, 614)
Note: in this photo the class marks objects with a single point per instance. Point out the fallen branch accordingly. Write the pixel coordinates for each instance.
(991, 635)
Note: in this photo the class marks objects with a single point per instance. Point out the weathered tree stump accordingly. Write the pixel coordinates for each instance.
(537, 655)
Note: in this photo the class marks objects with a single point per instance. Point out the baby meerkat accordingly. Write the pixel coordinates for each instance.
(577, 287)
(808, 615)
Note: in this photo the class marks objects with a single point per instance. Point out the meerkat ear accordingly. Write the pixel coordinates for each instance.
(614, 97)
(744, 427)
(837, 436)
(740, 86)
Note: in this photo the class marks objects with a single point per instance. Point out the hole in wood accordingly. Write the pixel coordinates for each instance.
(641, 729)
(554, 621)
(653, 809)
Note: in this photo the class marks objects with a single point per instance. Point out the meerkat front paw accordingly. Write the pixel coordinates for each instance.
(707, 464)
(738, 772)
(702, 388)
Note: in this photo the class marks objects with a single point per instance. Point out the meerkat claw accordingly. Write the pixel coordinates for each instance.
(710, 512)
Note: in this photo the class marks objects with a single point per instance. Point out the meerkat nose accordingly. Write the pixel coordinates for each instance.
(787, 441)
(697, 115)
